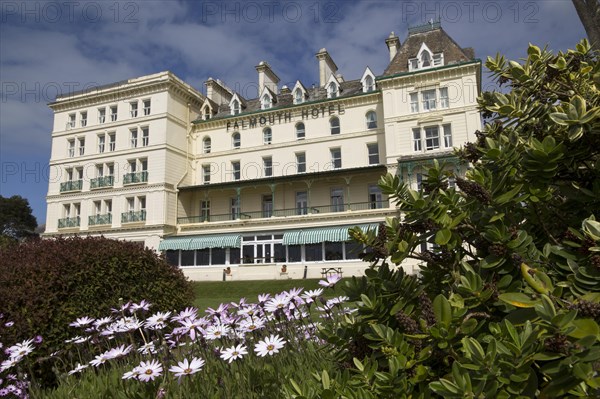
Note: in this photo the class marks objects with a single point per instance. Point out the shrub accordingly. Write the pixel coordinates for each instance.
(508, 303)
(47, 284)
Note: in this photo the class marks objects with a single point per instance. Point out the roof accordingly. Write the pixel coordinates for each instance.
(436, 39)
(347, 89)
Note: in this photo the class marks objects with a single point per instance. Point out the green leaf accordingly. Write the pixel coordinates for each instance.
(325, 379)
(559, 118)
(358, 364)
(443, 236)
(509, 195)
(518, 299)
(442, 310)
(592, 228)
(584, 327)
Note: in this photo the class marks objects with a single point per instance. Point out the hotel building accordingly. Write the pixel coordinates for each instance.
(221, 181)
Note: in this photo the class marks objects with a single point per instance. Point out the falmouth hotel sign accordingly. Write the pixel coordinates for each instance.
(274, 118)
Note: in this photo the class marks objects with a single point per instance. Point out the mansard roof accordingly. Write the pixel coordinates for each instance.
(436, 39)
(349, 88)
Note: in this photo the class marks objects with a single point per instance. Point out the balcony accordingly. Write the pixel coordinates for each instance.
(100, 182)
(72, 185)
(291, 212)
(133, 216)
(100, 219)
(135, 177)
(69, 222)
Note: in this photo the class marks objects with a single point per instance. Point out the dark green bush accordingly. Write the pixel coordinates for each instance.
(47, 284)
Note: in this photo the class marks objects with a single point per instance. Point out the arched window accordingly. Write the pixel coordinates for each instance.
(369, 84)
(236, 141)
(266, 102)
(332, 90)
(206, 145)
(334, 125)
(235, 107)
(298, 97)
(206, 113)
(371, 117)
(267, 135)
(425, 59)
(300, 132)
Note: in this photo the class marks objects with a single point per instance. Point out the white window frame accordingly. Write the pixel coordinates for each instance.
(429, 103)
(371, 119)
(235, 107)
(266, 102)
(444, 99)
(133, 138)
(147, 103)
(447, 130)
(300, 133)
(206, 172)
(336, 157)
(102, 115)
(83, 118)
(301, 162)
(236, 140)
(333, 90)
(101, 143)
(112, 141)
(236, 171)
(414, 102)
(206, 145)
(267, 135)
(268, 166)
(114, 110)
(432, 138)
(81, 146)
(417, 143)
(71, 148)
(133, 109)
(373, 153)
(335, 129)
(145, 136)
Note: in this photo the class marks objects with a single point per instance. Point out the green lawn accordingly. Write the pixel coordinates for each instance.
(213, 293)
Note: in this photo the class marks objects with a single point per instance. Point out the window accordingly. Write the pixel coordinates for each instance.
(267, 206)
(375, 197)
(373, 150)
(447, 136)
(444, 101)
(206, 113)
(313, 252)
(133, 109)
(206, 145)
(301, 203)
(108, 206)
(112, 141)
(145, 137)
(236, 140)
(413, 64)
(235, 107)
(414, 102)
(419, 181)
(332, 90)
(146, 107)
(71, 148)
(83, 119)
(133, 136)
(267, 135)
(417, 139)
(337, 200)
(334, 250)
(101, 115)
(336, 158)
(144, 164)
(265, 102)
(298, 97)
(111, 169)
(371, 120)
(132, 166)
(428, 100)
(205, 211)
(142, 202)
(235, 170)
(71, 122)
(369, 84)
(334, 125)
(438, 59)
(432, 138)
(206, 174)
(301, 162)
(131, 204)
(99, 170)
(97, 207)
(81, 146)
(101, 143)
(425, 59)
(268, 166)
(113, 113)
(235, 208)
(300, 132)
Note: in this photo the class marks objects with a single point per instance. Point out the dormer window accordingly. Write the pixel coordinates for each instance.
(298, 97)
(425, 59)
(266, 102)
(206, 113)
(332, 90)
(368, 81)
(235, 107)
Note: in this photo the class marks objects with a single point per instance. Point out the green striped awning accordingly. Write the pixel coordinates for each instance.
(321, 234)
(201, 242)
(174, 243)
(216, 241)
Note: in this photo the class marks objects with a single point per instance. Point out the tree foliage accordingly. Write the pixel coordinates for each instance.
(508, 303)
(16, 218)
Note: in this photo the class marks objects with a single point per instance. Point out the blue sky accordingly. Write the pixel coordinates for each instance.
(50, 47)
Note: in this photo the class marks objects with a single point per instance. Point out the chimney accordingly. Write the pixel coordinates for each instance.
(217, 91)
(326, 67)
(393, 44)
(285, 90)
(266, 77)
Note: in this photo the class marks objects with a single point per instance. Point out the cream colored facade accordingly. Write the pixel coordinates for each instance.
(253, 184)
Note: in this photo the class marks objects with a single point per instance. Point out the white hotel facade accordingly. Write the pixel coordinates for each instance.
(219, 181)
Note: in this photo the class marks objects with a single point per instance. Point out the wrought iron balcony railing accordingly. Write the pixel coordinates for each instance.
(135, 177)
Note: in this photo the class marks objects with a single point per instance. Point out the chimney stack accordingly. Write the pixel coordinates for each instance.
(217, 91)
(266, 77)
(326, 67)
(393, 44)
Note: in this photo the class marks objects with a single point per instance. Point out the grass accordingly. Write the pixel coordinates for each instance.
(213, 293)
